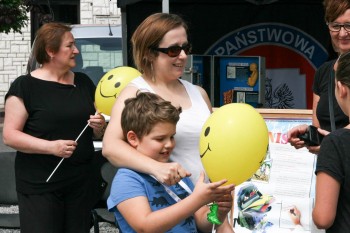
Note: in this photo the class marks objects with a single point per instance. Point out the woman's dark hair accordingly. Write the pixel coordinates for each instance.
(335, 8)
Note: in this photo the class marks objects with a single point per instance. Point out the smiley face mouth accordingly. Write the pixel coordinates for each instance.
(208, 148)
(107, 96)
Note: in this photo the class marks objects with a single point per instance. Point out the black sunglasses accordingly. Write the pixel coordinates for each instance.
(174, 51)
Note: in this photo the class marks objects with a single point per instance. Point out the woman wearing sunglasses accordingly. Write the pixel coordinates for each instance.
(160, 49)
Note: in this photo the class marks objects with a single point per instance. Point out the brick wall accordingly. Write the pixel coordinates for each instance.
(15, 47)
(14, 53)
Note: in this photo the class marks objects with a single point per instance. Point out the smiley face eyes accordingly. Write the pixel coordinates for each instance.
(117, 84)
(207, 131)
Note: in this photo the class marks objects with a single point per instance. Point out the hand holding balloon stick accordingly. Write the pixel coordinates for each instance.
(63, 158)
(232, 210)
(233, 144)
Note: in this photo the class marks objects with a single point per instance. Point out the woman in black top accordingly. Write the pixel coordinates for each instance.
(320, 89)
(337, 17)
(45, 112)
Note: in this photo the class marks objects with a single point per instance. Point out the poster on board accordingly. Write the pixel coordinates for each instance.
(239, 79)
(281, 190)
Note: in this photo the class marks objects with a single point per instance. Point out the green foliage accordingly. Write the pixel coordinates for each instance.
(13, 15)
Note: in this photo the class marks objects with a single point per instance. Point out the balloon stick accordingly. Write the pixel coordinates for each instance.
(63, 158)
(232, 209)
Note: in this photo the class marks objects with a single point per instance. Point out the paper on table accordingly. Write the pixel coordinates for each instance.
(292, 171)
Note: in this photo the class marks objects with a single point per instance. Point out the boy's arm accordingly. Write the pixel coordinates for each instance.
(138, 214)
(225, 227)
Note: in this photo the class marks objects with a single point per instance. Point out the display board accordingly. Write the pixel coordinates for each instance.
(284, 184)
(239, 79)
(293, 41)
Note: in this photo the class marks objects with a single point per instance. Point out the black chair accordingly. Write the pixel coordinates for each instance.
(8, 194)
(95, 73)
(101, 214)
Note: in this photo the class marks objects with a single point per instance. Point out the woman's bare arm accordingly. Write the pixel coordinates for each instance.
(121, 154)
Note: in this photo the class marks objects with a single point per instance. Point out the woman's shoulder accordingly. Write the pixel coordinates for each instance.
(337, 138)
(20, 86)
(341, 133)
(185, 82)
(326, 65)
(23, 77)
(22, 80)
(190, 86)
(323, 72)
(138, 81)
(195, 91)
(81, 77)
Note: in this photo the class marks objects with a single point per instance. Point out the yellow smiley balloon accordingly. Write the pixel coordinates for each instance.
(233, 143)
(110, 86)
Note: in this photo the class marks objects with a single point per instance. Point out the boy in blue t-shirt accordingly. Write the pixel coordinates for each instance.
(139, 202)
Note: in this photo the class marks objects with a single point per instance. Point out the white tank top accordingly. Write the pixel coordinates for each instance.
(188, 129)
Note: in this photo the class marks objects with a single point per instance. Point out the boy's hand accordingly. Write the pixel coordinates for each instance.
(210, 192)
(225, 205)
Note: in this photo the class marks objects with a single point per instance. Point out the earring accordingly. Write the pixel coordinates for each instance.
(153, 78)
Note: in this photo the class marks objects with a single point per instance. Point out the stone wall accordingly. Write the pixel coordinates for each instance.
(14, 53)
(15, 47)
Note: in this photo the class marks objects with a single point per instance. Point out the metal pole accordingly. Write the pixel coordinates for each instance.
(165, 6)
(125, 45)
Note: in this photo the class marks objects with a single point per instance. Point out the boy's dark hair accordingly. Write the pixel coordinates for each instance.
(142, 112)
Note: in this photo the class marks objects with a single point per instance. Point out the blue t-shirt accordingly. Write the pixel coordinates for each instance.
(128, 184)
